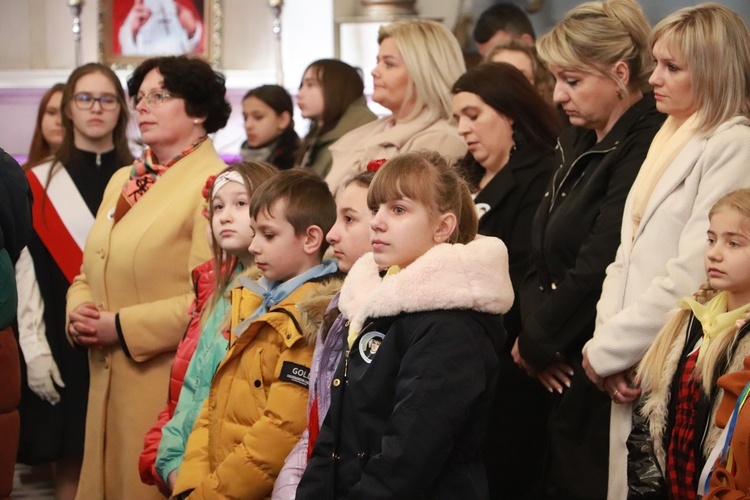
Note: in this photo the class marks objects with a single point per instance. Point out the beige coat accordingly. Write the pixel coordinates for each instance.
(139, 268)
(377, 139)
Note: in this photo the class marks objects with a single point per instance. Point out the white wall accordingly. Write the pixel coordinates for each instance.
(37, 48)
(38, 51)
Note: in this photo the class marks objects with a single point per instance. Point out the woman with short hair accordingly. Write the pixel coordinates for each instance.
(129, 304)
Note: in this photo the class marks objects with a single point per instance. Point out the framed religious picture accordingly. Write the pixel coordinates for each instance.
(133, 30)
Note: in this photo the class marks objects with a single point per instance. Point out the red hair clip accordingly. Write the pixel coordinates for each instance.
(206, 192)
(375, 165)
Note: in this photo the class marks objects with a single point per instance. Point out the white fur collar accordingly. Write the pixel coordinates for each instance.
(472, 276)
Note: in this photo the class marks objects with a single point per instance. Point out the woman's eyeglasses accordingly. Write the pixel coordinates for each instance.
(153, 98)
(84, 100)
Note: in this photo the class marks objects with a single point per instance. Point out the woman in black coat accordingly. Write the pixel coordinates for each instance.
(510, 132)
(600, 58)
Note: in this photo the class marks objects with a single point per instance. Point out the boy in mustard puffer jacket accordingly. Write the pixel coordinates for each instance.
(256, 408)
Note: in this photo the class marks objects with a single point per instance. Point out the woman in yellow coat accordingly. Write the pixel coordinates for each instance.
(130, 303)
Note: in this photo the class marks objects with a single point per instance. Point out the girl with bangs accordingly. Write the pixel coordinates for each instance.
(411, 395)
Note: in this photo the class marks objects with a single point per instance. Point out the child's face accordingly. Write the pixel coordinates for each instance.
(350, 235)
(401, 231)
(310, 97)
(728, 255)
(262, 124)
(279, 253)
(230, 222)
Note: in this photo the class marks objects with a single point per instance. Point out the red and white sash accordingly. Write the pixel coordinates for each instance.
(61, 217)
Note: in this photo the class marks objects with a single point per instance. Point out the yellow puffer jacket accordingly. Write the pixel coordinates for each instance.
(256, 408)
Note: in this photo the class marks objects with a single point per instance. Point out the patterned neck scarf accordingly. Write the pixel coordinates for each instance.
(143, 174)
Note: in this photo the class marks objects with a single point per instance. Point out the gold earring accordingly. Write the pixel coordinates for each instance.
(619, 94)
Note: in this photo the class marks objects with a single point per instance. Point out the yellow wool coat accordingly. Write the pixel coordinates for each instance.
(141, 269)
(256, 408)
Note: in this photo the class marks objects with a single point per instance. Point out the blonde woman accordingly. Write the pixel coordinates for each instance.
(599, 56)
(702, 82)
(418, 62)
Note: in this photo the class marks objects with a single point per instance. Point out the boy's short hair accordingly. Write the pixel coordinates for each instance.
(502, 17)
(309, 202)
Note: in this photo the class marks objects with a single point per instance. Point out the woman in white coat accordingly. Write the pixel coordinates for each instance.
(702, 81)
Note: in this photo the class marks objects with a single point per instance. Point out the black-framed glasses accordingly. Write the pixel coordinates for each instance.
(84, 100)
(153, 98)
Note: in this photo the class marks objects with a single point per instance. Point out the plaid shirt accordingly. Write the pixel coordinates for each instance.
(681, 462)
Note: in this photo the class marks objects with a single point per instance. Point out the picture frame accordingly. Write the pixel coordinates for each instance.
(131, 31)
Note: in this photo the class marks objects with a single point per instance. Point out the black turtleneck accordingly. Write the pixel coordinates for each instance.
(91, 173)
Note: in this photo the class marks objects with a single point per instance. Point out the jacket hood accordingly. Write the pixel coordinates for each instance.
(312, 309)
(448, 276)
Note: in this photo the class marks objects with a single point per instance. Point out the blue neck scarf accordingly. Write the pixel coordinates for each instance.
(273, 292)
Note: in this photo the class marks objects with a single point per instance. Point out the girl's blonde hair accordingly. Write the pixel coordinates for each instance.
(426, 177)
(594, 36)
(650, 369)
(253, 175)
(434, 61)
(714, 43)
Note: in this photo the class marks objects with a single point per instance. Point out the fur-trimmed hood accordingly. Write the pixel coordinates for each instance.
(448, 276)
(312, 309)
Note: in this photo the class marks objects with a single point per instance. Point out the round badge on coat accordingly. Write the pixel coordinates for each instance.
(369, 344)
(482, 208)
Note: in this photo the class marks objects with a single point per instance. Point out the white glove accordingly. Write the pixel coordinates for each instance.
(43, 374)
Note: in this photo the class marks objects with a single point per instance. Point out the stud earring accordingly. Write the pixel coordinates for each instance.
(196, 121)
(619, 94)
